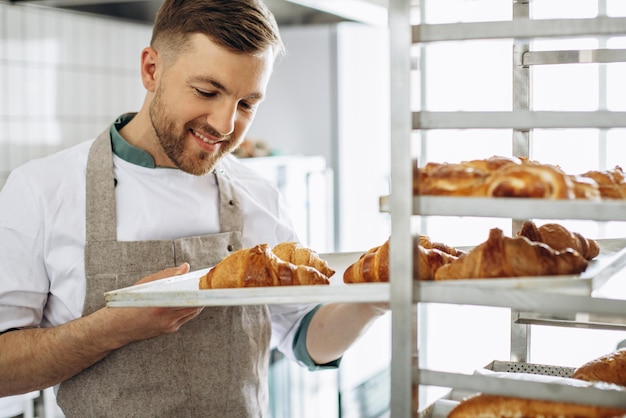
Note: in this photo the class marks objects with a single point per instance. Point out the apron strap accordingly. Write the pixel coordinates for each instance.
(101, 194)
(229, 204)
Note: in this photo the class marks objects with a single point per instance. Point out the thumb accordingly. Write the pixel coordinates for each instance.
(168, 272)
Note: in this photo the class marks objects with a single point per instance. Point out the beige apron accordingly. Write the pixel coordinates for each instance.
(214, 366)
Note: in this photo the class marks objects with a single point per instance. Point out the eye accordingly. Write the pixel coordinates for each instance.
(204, 94)
(247, 106)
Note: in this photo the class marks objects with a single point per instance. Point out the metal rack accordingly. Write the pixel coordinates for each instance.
(405, 294)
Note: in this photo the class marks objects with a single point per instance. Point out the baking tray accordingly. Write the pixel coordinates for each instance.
(531, 378)
(607, 265)
(183, 290)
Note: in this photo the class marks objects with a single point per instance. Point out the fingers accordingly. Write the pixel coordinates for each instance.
(189, 314)
(168, 272)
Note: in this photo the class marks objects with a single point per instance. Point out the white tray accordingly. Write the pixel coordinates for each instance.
(528, 379)
(183, 290)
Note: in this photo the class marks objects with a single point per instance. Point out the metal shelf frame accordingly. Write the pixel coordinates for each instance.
(405, 294)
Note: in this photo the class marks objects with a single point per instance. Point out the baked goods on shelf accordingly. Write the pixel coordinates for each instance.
(428, 256)
(495, 406)
(502, 256)
(499, 176)
(372, 266)
(531, 180)
(428, 260)
(425, 242)
(498, 257)
(610, 368)
(258, 266)
(559, 238)
(611, 183)
(468, 178)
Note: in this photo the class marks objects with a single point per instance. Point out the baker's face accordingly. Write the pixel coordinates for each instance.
(204, 103)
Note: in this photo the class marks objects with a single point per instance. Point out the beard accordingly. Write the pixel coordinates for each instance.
(173, 141)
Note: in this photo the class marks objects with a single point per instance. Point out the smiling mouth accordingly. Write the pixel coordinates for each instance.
(205, 139)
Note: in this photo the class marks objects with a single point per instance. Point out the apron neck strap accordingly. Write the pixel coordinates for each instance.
(101, 218)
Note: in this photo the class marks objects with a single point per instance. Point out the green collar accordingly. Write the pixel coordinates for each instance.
(123, 149)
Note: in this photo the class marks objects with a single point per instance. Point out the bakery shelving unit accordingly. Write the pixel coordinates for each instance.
(406, 294)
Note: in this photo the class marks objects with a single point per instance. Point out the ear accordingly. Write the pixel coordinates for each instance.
(149, 65)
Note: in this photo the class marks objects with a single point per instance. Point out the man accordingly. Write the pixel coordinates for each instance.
(154, 195)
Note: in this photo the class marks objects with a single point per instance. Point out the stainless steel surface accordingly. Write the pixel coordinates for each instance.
(520, 119)
(521, 29)
(601, 56)
(564, 391)
(515, 379)
(404, 317)
(576, 320)
(515, 208)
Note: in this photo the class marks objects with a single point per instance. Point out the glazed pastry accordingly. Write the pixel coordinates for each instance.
(611, 183)
(531, 180)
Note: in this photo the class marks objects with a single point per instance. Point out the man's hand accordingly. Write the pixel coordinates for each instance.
(134, 324)
(37, 358)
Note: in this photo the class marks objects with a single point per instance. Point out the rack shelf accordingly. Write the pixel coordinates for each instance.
(552, 301)
(515, 208)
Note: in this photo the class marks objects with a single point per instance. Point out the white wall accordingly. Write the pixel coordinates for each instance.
(64, 77)
(330, 96)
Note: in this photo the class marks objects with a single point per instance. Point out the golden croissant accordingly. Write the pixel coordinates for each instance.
(258, 266)
(560, 238)
(296, 253)
(373, 266)
(502, 256)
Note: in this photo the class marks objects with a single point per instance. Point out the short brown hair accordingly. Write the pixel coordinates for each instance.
(242, 26)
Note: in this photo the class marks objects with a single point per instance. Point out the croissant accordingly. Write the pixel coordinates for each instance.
(297, 254)
(373, 266)
(450, 180)
(502, 256)
(425, 241)
(426, 261)
(560, 238)
(610, 182)
(495, 406)
(258, 266)
(531, 180)
(610, 368)
(585, 187)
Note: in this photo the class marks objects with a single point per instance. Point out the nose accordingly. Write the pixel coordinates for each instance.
(223, 118)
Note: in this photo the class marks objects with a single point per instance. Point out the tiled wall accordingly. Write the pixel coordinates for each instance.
(64, 77)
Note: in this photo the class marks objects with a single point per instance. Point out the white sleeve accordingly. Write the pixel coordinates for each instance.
(286, 320)
(24, 284)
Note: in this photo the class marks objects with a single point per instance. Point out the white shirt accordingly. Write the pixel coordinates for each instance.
(42, 230)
